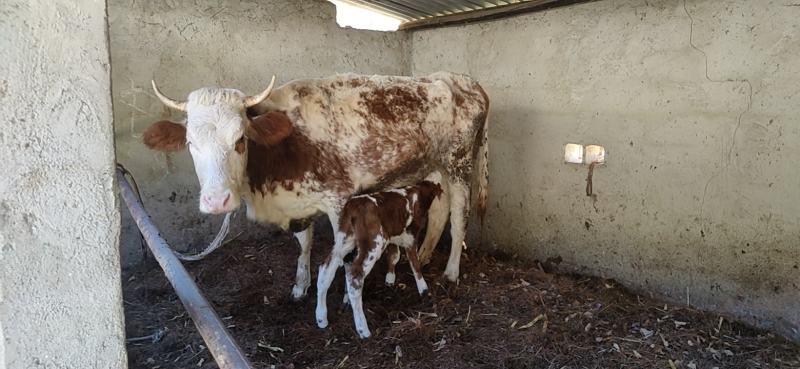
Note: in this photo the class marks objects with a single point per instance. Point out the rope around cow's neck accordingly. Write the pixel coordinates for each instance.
(215, 244)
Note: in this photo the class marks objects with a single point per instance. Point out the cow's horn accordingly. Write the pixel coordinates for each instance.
(255, 100)
(177, 105)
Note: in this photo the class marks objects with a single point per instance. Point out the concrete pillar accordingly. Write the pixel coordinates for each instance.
(60, 295)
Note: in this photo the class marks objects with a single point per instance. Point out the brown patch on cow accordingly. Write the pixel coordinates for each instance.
(485, 97)
(326, 90)
(462, 162)
(165, 136)
(422, 93)
(270, 128)
(394, 104)
(355, 82)
(459, 99)
(477, 94)
(272, 163)
(241, 145)
(303, 91)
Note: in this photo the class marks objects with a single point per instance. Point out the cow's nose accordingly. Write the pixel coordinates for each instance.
(216, 203)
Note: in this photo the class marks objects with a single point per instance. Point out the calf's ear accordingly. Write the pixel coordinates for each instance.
(165, 136)
(270, 128)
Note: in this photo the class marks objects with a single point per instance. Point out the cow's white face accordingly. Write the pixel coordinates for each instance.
(215, 136)
(216, 132)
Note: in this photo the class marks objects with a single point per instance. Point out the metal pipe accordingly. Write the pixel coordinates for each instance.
(226, 352)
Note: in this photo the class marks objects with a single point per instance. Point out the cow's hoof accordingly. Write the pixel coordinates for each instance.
(322, 323)
(364, 333)
(298, 293)
(451, 274)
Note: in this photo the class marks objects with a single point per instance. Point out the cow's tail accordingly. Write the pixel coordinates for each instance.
(482, 162)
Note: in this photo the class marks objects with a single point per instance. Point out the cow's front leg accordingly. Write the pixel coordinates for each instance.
(303, 277)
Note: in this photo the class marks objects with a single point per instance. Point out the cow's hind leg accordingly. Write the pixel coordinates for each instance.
(459, 213)
(303, 277)
(392, 257)
(437, 218)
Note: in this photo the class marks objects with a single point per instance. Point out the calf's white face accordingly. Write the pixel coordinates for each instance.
(216, 134)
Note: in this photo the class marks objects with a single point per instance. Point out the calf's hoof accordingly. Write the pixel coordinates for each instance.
(363, 333)
(322, 323)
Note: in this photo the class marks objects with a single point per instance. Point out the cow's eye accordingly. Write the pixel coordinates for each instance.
(240, 145)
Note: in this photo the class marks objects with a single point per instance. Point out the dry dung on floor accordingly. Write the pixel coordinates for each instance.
(505, 313)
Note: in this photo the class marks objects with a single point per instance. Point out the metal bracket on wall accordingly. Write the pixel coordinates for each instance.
(589, 190)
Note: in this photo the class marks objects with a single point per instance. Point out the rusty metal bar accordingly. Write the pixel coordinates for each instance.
(226, 352)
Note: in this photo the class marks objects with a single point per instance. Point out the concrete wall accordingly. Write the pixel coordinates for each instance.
(700, 116)
(185, 45)
(60, 297)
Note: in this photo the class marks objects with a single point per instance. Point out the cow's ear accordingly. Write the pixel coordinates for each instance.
(165, 136)
(270, 128)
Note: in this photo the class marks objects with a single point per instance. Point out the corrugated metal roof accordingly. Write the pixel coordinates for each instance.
(418, 14)
(415, 10)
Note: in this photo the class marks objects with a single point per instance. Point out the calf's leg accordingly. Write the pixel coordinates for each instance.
(411, 253)
(355, 274)
(392, 257)
(327, 272)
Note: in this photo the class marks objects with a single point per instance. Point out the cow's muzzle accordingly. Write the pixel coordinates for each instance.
(218, 203)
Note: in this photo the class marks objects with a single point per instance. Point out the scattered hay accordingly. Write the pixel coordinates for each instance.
(503, 314)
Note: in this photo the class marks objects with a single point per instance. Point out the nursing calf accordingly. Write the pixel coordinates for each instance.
(369, 223)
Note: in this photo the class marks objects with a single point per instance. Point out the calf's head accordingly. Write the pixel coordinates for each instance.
(217, 133)
(427, 191)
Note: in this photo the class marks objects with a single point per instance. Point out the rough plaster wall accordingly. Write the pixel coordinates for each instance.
(185, 45)
(698, 201)
(60, 296)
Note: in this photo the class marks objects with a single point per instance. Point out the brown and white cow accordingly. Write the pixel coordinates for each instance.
(304, 148)
(370, 223)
